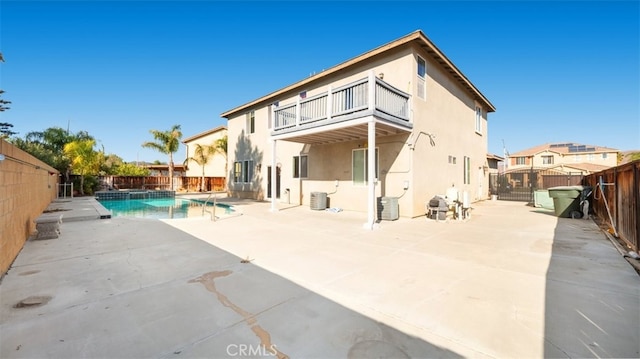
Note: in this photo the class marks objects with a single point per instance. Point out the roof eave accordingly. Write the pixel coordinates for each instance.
(416, 35)
(205, 133)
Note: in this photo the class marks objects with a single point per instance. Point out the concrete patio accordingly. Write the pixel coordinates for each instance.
(513, 281)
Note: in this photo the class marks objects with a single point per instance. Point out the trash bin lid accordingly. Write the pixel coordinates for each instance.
(569, 188)
(567, 191)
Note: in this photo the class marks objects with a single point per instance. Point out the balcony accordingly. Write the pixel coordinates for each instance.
(339, 114)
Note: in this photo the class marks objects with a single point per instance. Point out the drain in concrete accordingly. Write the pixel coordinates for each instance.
(33, 301)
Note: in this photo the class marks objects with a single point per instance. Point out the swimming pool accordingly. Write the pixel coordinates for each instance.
(162, 208)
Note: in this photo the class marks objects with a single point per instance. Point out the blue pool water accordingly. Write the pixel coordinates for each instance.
(161, 208)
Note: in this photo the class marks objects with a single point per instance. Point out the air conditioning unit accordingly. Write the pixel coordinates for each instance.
(318, 200)
(388, 208)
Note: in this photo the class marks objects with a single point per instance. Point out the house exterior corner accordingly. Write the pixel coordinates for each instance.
(427, 122)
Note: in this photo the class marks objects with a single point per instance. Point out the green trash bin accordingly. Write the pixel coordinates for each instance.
(566, 200)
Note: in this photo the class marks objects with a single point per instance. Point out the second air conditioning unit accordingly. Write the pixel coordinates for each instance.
(388, 208)
(318, 200)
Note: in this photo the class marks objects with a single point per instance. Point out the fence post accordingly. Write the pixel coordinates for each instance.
(531, 183)
(616, 202)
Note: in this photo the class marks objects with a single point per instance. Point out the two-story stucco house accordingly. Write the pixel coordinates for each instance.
(564, 157)
(400, 121)
(212, 172)
(216, 165)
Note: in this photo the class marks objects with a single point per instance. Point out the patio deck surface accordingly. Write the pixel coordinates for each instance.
(513, 281)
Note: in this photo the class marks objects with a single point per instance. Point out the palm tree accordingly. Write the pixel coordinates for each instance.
(201, 156)
(48, 146)
(84, 159)
(220, 146)
(167, 142)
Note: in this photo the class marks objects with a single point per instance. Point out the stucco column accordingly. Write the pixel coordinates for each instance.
(274, 171)
(371, 173)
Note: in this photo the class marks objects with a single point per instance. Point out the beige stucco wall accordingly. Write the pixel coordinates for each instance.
(331, 163)
(595, 158)
(448, 112)
(538, 162)
(25, 191)
(216, 165)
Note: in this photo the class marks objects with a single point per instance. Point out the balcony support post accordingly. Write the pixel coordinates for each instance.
(371, 173)
(274, 171)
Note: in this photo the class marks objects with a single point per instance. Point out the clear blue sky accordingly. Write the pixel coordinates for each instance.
(556, 71)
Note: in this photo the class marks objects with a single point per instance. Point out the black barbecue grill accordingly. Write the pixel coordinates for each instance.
(437, 208)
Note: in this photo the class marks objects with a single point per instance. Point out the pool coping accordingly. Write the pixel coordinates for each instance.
(89, 208)
(198, 199)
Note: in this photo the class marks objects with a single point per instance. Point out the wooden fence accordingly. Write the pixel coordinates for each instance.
(619, 188)
(189, 184)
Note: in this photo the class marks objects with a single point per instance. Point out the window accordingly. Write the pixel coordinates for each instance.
(478, 120)
(520, 161)
(422, 74)
(452, 160)
(360, 166)
(422, 67)
(604, 156)
(547, 160)
(577, 158)
(300, 166)
(590, 156)
(251, 122)
(247, 171)
(237, 171)
(243, 171)
(467, 170)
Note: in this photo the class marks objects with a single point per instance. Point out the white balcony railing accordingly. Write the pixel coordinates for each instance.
(350, 99)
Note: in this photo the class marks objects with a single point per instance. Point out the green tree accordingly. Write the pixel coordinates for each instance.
(130, 169)
(5, 127)
(201, 155)
(220, 146)
(4, 103)
(48, 146)
(167, 142)
(111, 164)
(85, 160)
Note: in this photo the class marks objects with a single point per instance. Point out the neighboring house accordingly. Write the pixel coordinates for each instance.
(163, 170)
(215, 167)
(425, 119)
(494, 162)
(564, 157)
